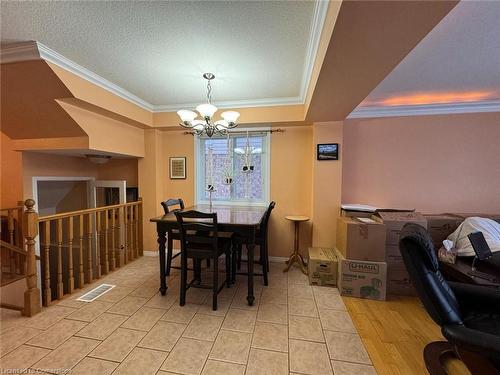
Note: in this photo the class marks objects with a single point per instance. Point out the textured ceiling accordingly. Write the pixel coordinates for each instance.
(458, 61)
(158, 50)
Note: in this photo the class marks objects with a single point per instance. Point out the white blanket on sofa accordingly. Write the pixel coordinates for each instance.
(490, 229)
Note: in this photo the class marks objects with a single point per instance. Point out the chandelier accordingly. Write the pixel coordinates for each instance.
(207, 124)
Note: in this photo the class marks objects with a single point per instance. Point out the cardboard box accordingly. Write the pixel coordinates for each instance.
(395, 221)
(323, 266)
(398, 280)
(358, 240)
(351, 213)
(495, 217)
(362, 279)
(358, 210)
(392, 254)
(441, 226)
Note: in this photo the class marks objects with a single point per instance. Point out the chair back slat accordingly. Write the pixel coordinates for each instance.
(170, 205)
(197, 228)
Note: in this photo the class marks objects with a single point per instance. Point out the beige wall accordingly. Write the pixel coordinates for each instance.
(447, 163)
(10, 174)
(327, 180)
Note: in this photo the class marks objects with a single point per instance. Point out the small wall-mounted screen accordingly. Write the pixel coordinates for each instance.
(328, 151)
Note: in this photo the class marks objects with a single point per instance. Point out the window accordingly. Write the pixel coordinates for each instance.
(248, 186)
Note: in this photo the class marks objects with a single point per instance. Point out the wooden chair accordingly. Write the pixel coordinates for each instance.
(172, 205)
(200, 240)
(260, 240)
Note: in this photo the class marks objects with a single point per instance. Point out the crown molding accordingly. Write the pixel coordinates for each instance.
(52, 56)
(319, 16)
(32, 50)
(426, 109)
(267, 102)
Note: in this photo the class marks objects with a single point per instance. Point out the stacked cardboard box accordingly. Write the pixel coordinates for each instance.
(357, 210)
(322, 266)
(398, 279)
(362, 279)
(440, 226)
(361, 238)
(361, 253)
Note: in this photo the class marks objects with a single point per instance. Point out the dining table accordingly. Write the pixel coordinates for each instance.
(241, 220)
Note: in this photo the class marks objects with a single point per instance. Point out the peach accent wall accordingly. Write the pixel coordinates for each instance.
(151, 184)
(290, 185)
(120, 169)
(447, 163)
(87, 91)
(106, 134)
(258, 115)
(327, 180)
(291, 188)
(11, 173)
(176, 143)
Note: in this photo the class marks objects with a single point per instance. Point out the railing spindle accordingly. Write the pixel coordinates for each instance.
(106, 241)
(10, 225)
(60, 287)
(141, 243)
(114, 251)
(30, 231)
(125, 229)
(136, 230)
(98, 244)
(20, 218)
(47, 292)
(90, 267)
(71, 277)
(131, 229)
(81, 275)
(10, 229)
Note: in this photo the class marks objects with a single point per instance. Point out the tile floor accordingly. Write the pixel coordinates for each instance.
(292, 328)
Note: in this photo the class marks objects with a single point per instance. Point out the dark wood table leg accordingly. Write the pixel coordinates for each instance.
(170, 249)
(162, 240)
(250, 251)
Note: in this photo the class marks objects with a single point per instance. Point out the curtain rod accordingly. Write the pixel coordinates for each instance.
(278, 130)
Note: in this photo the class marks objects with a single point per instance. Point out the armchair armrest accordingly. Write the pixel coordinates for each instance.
(474, 340)
(476, 296)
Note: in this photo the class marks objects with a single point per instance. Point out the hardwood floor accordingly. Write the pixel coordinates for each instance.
(395, 333)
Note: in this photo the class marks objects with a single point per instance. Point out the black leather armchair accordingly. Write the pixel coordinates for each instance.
(469, 315)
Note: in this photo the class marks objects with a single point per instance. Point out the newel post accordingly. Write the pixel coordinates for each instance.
(30, 231)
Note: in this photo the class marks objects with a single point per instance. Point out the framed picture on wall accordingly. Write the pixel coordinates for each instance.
(178, 168)
(327, 151)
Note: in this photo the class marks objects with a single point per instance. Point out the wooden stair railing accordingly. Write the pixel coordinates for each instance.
(25, 259)
(81, 246)
(13, 267)
(30, 231)
(11, 233)
(20, 266)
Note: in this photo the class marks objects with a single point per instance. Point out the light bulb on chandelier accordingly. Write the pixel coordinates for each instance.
(207, 110)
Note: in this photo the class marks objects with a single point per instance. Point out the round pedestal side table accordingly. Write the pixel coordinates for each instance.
(296, 257)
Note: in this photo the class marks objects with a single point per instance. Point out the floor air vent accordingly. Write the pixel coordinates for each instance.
(96, 292)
